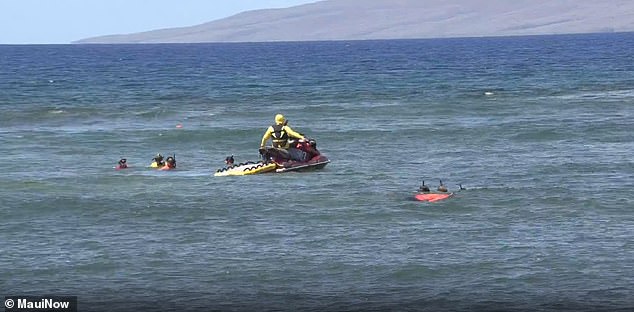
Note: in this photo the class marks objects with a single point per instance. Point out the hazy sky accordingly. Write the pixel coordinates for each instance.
(63, 21)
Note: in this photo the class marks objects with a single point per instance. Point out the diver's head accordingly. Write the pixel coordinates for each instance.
(312, 143)
(280, 120)
(229, 160)
(122, 161)
(158, 157)
(442, 187)
(424, 188)
(171, 161)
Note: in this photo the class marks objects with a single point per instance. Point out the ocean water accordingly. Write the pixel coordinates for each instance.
(539, 130)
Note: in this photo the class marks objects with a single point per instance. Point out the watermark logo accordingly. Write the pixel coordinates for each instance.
(9, 303)
(40, 303)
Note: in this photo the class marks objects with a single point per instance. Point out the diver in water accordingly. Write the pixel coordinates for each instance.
(280, 133)
(122, 164)
(158, 161)
(170, 163)
(423, 188)
(442, 187)
(229, 161)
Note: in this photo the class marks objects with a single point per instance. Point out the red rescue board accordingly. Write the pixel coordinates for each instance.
(432, 197)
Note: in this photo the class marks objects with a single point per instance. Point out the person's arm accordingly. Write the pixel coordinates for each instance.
(292, 133)
(267, 135)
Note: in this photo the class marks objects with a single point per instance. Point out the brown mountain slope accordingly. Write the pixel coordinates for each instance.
(398, 19)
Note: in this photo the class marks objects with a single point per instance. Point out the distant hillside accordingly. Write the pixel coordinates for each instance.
(400, 19)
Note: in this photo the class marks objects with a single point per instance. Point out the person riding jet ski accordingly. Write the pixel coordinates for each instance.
(280, 133)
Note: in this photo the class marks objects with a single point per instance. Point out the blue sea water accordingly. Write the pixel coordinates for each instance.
(538, 129)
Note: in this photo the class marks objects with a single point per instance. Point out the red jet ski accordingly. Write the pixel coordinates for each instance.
(312, 158)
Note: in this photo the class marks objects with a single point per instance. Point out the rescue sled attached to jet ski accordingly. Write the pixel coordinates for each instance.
(279, 160)
(247, 168)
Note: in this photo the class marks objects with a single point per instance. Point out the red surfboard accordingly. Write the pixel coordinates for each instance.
(432, 197)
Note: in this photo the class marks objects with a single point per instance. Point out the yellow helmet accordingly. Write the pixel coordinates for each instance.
(279, 119)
